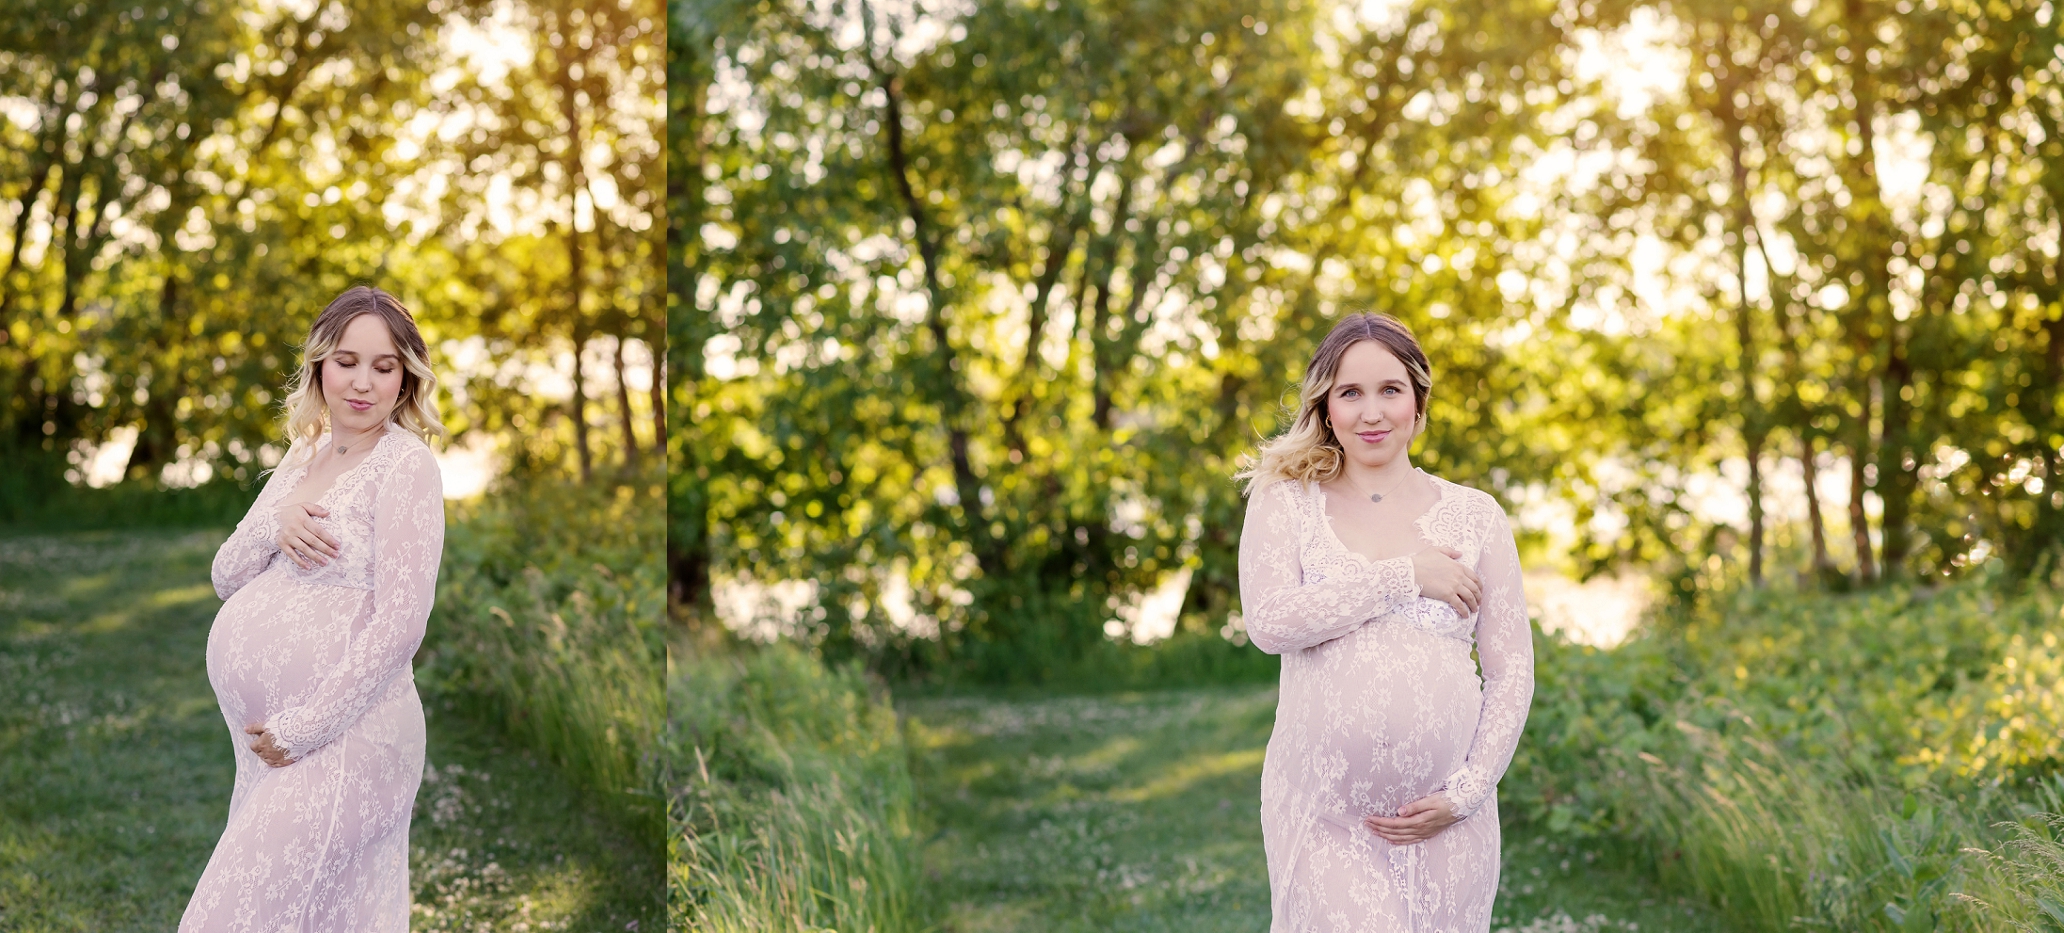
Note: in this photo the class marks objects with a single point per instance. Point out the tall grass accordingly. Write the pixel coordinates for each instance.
(1874, 762)
(792, 801)
(2025, 876)
(548, 620)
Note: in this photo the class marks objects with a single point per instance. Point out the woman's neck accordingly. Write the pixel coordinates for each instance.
(1378, 478)
(344, 440)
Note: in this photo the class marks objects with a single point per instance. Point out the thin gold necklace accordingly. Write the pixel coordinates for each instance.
(341, 449)
(1378, 496)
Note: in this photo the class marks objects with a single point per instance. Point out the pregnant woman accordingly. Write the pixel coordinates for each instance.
(329, 580)
(1373, 580)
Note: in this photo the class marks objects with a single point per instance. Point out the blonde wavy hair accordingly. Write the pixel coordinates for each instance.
(415, 409)
(1309, 451)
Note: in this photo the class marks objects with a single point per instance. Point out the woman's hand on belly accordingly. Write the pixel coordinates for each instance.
(267, 751)
(1417, 821)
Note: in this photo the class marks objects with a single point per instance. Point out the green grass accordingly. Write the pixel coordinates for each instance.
(548, 621)
(1139, 812)
(1818, 761)
(792, 804)
(115, 768)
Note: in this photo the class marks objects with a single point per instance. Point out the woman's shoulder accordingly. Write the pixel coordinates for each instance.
(408, 450)
(1281, 490)
(1474, 500)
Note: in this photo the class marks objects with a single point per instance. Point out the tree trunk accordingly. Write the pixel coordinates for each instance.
(579, 404)
(1813, 516)
(1747, 237)
(576, 183)
(623, 404)
(1859, 519)
(1103, 364)
(1875, 226)
(37, 179)
(1060, 243)
(657, 350)
(952, 399)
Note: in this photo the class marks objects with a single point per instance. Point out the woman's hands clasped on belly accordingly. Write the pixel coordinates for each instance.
(1441, 575)
(1417, 821)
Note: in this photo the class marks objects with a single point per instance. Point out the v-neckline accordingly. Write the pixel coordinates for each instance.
(338, 480)
(1440, 488)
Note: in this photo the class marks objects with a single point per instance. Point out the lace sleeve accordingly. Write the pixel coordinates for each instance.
(251, 546)
(1281, 611)
(408, 540)
(1505, 648)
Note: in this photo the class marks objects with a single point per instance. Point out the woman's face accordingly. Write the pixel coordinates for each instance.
(362, 378)
(1371, 406)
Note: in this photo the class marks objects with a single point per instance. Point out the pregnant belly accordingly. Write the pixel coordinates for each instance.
(273, 641)
(1390, 712)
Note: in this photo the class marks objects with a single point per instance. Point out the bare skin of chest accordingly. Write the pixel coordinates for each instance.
(323, 473)
(1379, 530)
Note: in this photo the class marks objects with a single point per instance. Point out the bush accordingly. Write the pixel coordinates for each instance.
(1844, 761)
(548, 620)
(792, 803)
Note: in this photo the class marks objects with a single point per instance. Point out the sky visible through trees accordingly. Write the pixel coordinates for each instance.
(974, 306)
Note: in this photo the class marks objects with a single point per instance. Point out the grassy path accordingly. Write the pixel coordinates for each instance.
(1137, 812)
(115, 770)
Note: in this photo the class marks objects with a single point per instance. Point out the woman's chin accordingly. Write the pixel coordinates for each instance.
(1374, 459)
(355, 420)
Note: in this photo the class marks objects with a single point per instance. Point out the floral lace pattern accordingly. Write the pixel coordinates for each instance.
(322, 658)
(1381, 703)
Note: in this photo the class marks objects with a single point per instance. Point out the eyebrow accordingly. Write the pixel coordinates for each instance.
(384, 356)
(1356, 385)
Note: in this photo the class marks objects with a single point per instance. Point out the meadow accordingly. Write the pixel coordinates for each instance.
(1749, 761)
(115, 769)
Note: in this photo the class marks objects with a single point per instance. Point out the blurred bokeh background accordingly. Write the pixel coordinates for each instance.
(1750, 313)
(185, 185)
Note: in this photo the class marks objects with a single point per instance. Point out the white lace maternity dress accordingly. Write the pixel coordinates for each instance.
(1381, 705)
(322, 658)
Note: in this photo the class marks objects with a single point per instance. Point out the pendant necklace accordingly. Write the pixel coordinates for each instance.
(1378, 496)
(341, 449)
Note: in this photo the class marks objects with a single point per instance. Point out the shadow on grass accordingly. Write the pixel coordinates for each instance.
(115, 768)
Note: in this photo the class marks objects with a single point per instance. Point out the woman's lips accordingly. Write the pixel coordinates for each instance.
(1373, 437)
(357, 405)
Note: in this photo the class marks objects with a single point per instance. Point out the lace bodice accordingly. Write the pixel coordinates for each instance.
(387, 516)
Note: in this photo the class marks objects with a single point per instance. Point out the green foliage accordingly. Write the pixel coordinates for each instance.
(1789, 755)
(31, 499)
(183, 187)
(792, 804)
(548, 619)
(987, 302)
